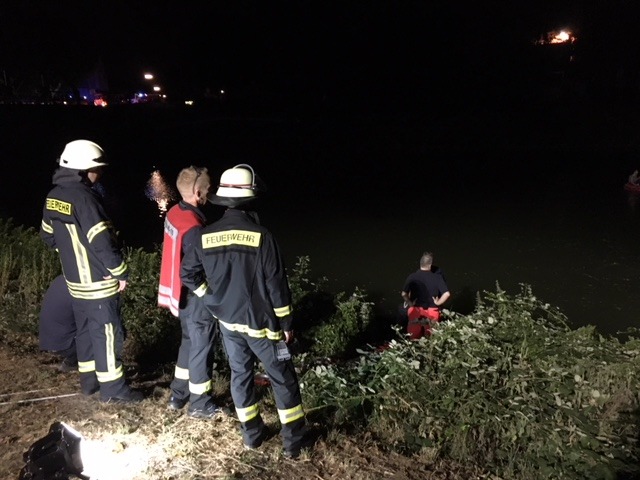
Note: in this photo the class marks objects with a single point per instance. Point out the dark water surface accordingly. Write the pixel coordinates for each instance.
(503, 197)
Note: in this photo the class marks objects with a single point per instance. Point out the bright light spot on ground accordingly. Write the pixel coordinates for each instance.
(110, 459)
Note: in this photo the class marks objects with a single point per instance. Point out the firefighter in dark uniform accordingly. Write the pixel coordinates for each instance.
(237, 269)
(75, 224)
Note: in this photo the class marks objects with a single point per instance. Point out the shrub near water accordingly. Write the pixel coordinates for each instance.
(153, 333)
(510, 388)
(27, 267)
(329, 325)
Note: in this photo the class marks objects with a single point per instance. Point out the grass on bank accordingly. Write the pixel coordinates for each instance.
(510, 389)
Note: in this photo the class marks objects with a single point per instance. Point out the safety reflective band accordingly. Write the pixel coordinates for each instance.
(246, 414)
(282, 311)
(110, 347)
(265, 332)
(231, 237)
(46, 227)
(96, 229)
(181, 373)
(82, 259)
(119, 270)
(86, 367)
(200, 388)
(201, 290)
(291, 414)
(110, 376)
(93, 290)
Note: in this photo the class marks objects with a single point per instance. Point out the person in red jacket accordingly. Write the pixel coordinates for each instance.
(424, 292)
(192, 379)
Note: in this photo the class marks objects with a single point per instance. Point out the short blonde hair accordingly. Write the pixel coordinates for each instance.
(189, 178)
(426, 260)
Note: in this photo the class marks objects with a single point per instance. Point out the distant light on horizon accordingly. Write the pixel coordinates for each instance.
(148, 76)
(556, 37)
(561, 37)
(156, 88)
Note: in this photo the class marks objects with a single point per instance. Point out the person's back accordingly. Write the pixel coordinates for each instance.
(424, 292)
(192, 379)
(238, 270)
(75, 224)
(233, 270)
(424, 285)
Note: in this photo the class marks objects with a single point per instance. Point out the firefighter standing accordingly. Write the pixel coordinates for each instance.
(192, 380)
(237, 268)
(75, 224)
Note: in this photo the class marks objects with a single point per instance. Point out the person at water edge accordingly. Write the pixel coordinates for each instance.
(237, 269)
(57, 325)
(634, 178)
(75, 224)
(192, 379)
(423, 293)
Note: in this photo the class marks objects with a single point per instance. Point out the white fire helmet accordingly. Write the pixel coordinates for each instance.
(237, 186)
(82, 155)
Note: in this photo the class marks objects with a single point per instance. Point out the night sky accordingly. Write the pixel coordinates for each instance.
(344, 49)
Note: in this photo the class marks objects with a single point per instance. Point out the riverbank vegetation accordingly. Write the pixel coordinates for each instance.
(509, 391)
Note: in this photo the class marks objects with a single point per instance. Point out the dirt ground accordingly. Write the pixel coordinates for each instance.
(147, 441)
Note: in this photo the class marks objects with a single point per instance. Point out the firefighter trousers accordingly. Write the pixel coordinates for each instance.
(242, 351)
(193, 372)
(99, 342)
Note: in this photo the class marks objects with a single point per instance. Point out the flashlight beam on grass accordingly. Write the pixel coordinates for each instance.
(63, 453)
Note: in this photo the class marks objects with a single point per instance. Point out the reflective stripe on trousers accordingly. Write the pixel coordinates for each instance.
(241, 349)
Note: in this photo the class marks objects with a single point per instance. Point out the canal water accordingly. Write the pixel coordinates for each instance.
(499, 197)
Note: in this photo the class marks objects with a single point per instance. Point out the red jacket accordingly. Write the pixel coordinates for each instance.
(182, 219)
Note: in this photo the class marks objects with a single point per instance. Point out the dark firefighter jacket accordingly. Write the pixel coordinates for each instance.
(75, 224)
(238, 270)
